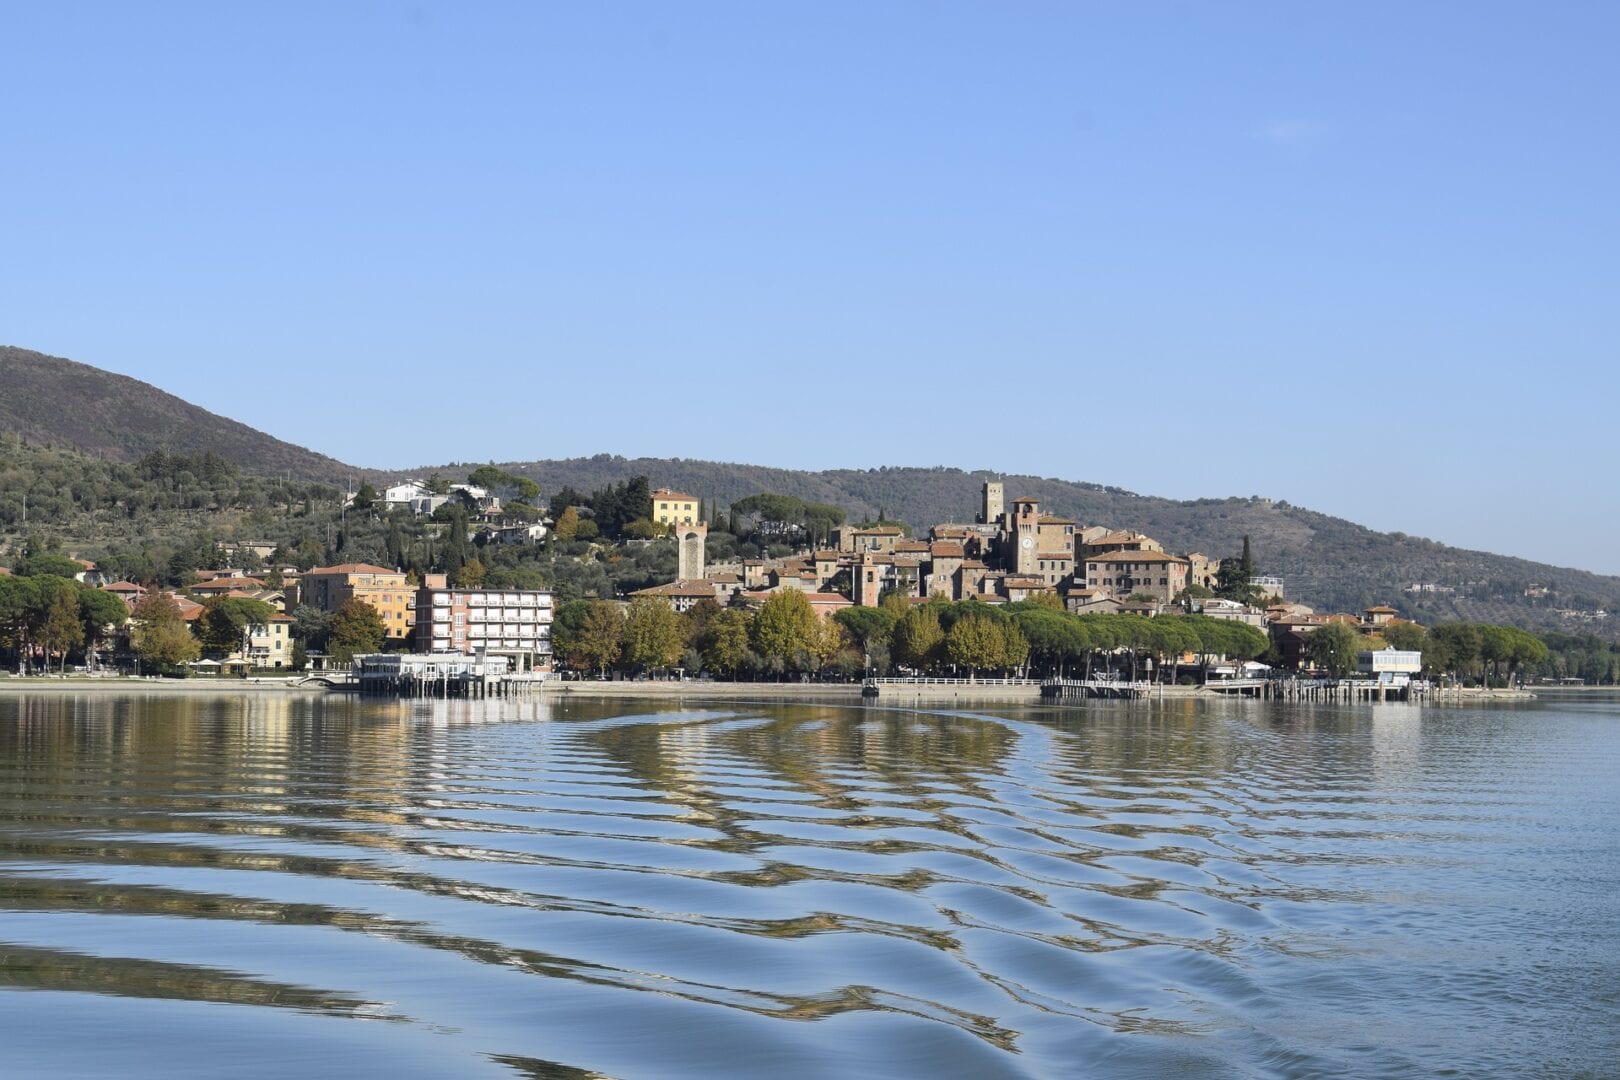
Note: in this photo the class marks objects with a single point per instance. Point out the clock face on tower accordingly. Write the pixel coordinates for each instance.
(1029, 542)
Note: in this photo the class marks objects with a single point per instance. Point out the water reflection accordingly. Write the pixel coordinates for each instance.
(579, 888)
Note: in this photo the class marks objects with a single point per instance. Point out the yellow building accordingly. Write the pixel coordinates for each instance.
(674, 508)
(327, 587)
(270, 646)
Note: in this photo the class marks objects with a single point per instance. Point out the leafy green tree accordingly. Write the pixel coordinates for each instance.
(226, 621)
(653, 635)
(565, 621)
(1055, 638)
(645, 529)
(57, 627)
(46, 564)
(1407, 637)
(356, 628)
(1237, 576)
(1014, 646)
(100, 612)
(311, 625)
(1335, 648)
(785, 628)
(868, 626)
(490, 478)
(975, 643)
(725, 642)
(599, 641)
(366, 499)
(827, 639)
(918, 638)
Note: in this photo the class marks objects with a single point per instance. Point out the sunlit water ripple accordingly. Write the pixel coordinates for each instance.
(265, 885)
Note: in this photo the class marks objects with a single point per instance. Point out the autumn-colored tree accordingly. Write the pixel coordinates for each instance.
(159, 634)
(976, 642)
(725, 641)
(599, 638)
(567, 525)
(785, 627)
(918, 638)
(653, 634)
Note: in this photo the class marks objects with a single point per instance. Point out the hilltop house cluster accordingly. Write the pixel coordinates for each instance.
(1010, 552)
(483, 506)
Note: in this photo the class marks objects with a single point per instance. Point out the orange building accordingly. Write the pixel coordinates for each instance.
(327, 587)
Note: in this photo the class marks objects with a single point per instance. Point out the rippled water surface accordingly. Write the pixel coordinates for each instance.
(267, 885)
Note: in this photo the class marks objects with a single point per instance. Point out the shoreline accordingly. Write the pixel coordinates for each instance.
(889, 694)
(129, 683)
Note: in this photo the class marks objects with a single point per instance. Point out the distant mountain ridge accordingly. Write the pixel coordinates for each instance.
(47, 399)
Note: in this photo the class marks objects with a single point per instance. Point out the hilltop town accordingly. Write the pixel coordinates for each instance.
(630, 579)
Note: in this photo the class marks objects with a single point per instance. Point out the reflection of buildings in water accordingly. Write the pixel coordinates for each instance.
(1397, 741)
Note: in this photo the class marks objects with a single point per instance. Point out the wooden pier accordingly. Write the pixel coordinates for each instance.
(1094, 690)
(441, 675)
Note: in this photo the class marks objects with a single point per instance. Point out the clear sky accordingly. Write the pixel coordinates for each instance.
(1359, 256)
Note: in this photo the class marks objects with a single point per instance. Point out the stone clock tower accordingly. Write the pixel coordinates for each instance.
(1025, 535)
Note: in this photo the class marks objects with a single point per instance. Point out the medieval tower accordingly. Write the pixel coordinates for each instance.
(690, 541)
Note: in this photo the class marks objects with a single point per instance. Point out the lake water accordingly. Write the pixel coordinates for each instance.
(273, 886)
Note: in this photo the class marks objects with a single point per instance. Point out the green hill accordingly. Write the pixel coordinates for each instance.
(46, 399)
(1328, 562)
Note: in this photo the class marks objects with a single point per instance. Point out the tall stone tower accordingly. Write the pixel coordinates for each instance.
(1026, 536)
(868, 583)
(994, 497)
(690, 541)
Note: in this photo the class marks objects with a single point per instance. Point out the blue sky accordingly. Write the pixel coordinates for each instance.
(1356, 256)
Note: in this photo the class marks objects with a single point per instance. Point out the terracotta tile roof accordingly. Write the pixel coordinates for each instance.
(945, 549)
(672, 496)
(122, 587)
(352, 568)
(1062, 555)
(4, 572)
(678, 588)
(1048, 519)
(1381, 609)
(911, 545)
(1135, 556)
(1121, 537)
(227, 584)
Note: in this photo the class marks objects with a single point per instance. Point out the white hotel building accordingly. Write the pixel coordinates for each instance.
(501, 622)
